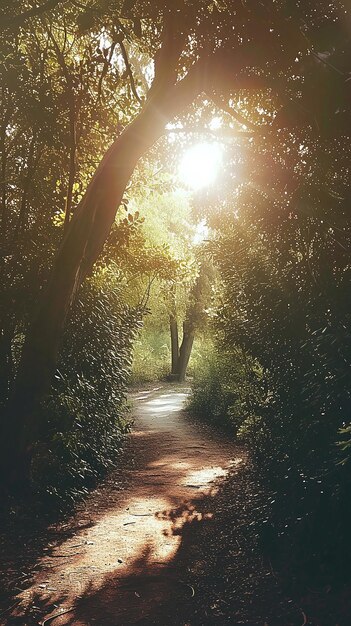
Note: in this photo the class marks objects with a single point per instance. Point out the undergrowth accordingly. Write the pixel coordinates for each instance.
(306, 524)
(86, 417)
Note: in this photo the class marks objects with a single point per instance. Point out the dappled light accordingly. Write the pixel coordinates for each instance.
(149, 546)
(145, 519)
(204, 476)
(166, 403)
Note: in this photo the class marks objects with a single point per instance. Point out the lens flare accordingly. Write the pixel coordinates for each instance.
(200, 165)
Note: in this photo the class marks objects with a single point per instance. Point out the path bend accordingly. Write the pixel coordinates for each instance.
(136, 549)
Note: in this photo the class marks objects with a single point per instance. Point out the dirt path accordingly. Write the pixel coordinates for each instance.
(136, 551)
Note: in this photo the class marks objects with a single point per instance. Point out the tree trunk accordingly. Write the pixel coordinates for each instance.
(173, 325)
(80, 248)
(185, 351)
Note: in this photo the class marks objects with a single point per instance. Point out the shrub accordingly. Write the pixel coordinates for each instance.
(227, 387)
(151, 356)
(85, 418)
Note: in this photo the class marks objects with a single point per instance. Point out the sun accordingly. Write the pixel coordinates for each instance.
(200, 165)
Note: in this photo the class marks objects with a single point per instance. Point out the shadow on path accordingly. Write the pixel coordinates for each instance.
(174, 543)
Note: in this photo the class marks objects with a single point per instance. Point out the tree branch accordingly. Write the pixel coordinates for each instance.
(129, 71)
(8, 21)
(107, 63)
(202, 130)
(72, 127)
(243, 121)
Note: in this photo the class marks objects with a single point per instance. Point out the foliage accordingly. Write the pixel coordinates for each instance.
(286, 284)
(72, 78)
(65, 91)
(87, 408)
(282, 249)
(151, 355)
(164, 264)
(227, 388)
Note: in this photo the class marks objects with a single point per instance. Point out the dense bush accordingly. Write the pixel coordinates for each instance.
(286, 288)
(226, 388)
(87, 409)
(152, 357)
(42, 183)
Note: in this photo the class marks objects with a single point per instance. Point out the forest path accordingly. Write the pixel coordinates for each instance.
(137, 549)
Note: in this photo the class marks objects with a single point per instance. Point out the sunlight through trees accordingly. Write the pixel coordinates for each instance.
(174, 202)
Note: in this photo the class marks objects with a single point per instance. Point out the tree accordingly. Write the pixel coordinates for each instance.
(161, 264)
(199, 297)
(280, 372)
(198, 52)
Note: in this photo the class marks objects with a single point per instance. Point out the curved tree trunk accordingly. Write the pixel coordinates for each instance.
(80, 248)
(198, 299)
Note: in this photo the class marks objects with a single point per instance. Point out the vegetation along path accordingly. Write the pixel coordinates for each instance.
(171, 542)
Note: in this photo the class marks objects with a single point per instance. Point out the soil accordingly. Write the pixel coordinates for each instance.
(169, 538)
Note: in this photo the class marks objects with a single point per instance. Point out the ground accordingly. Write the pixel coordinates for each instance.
(170, 538)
